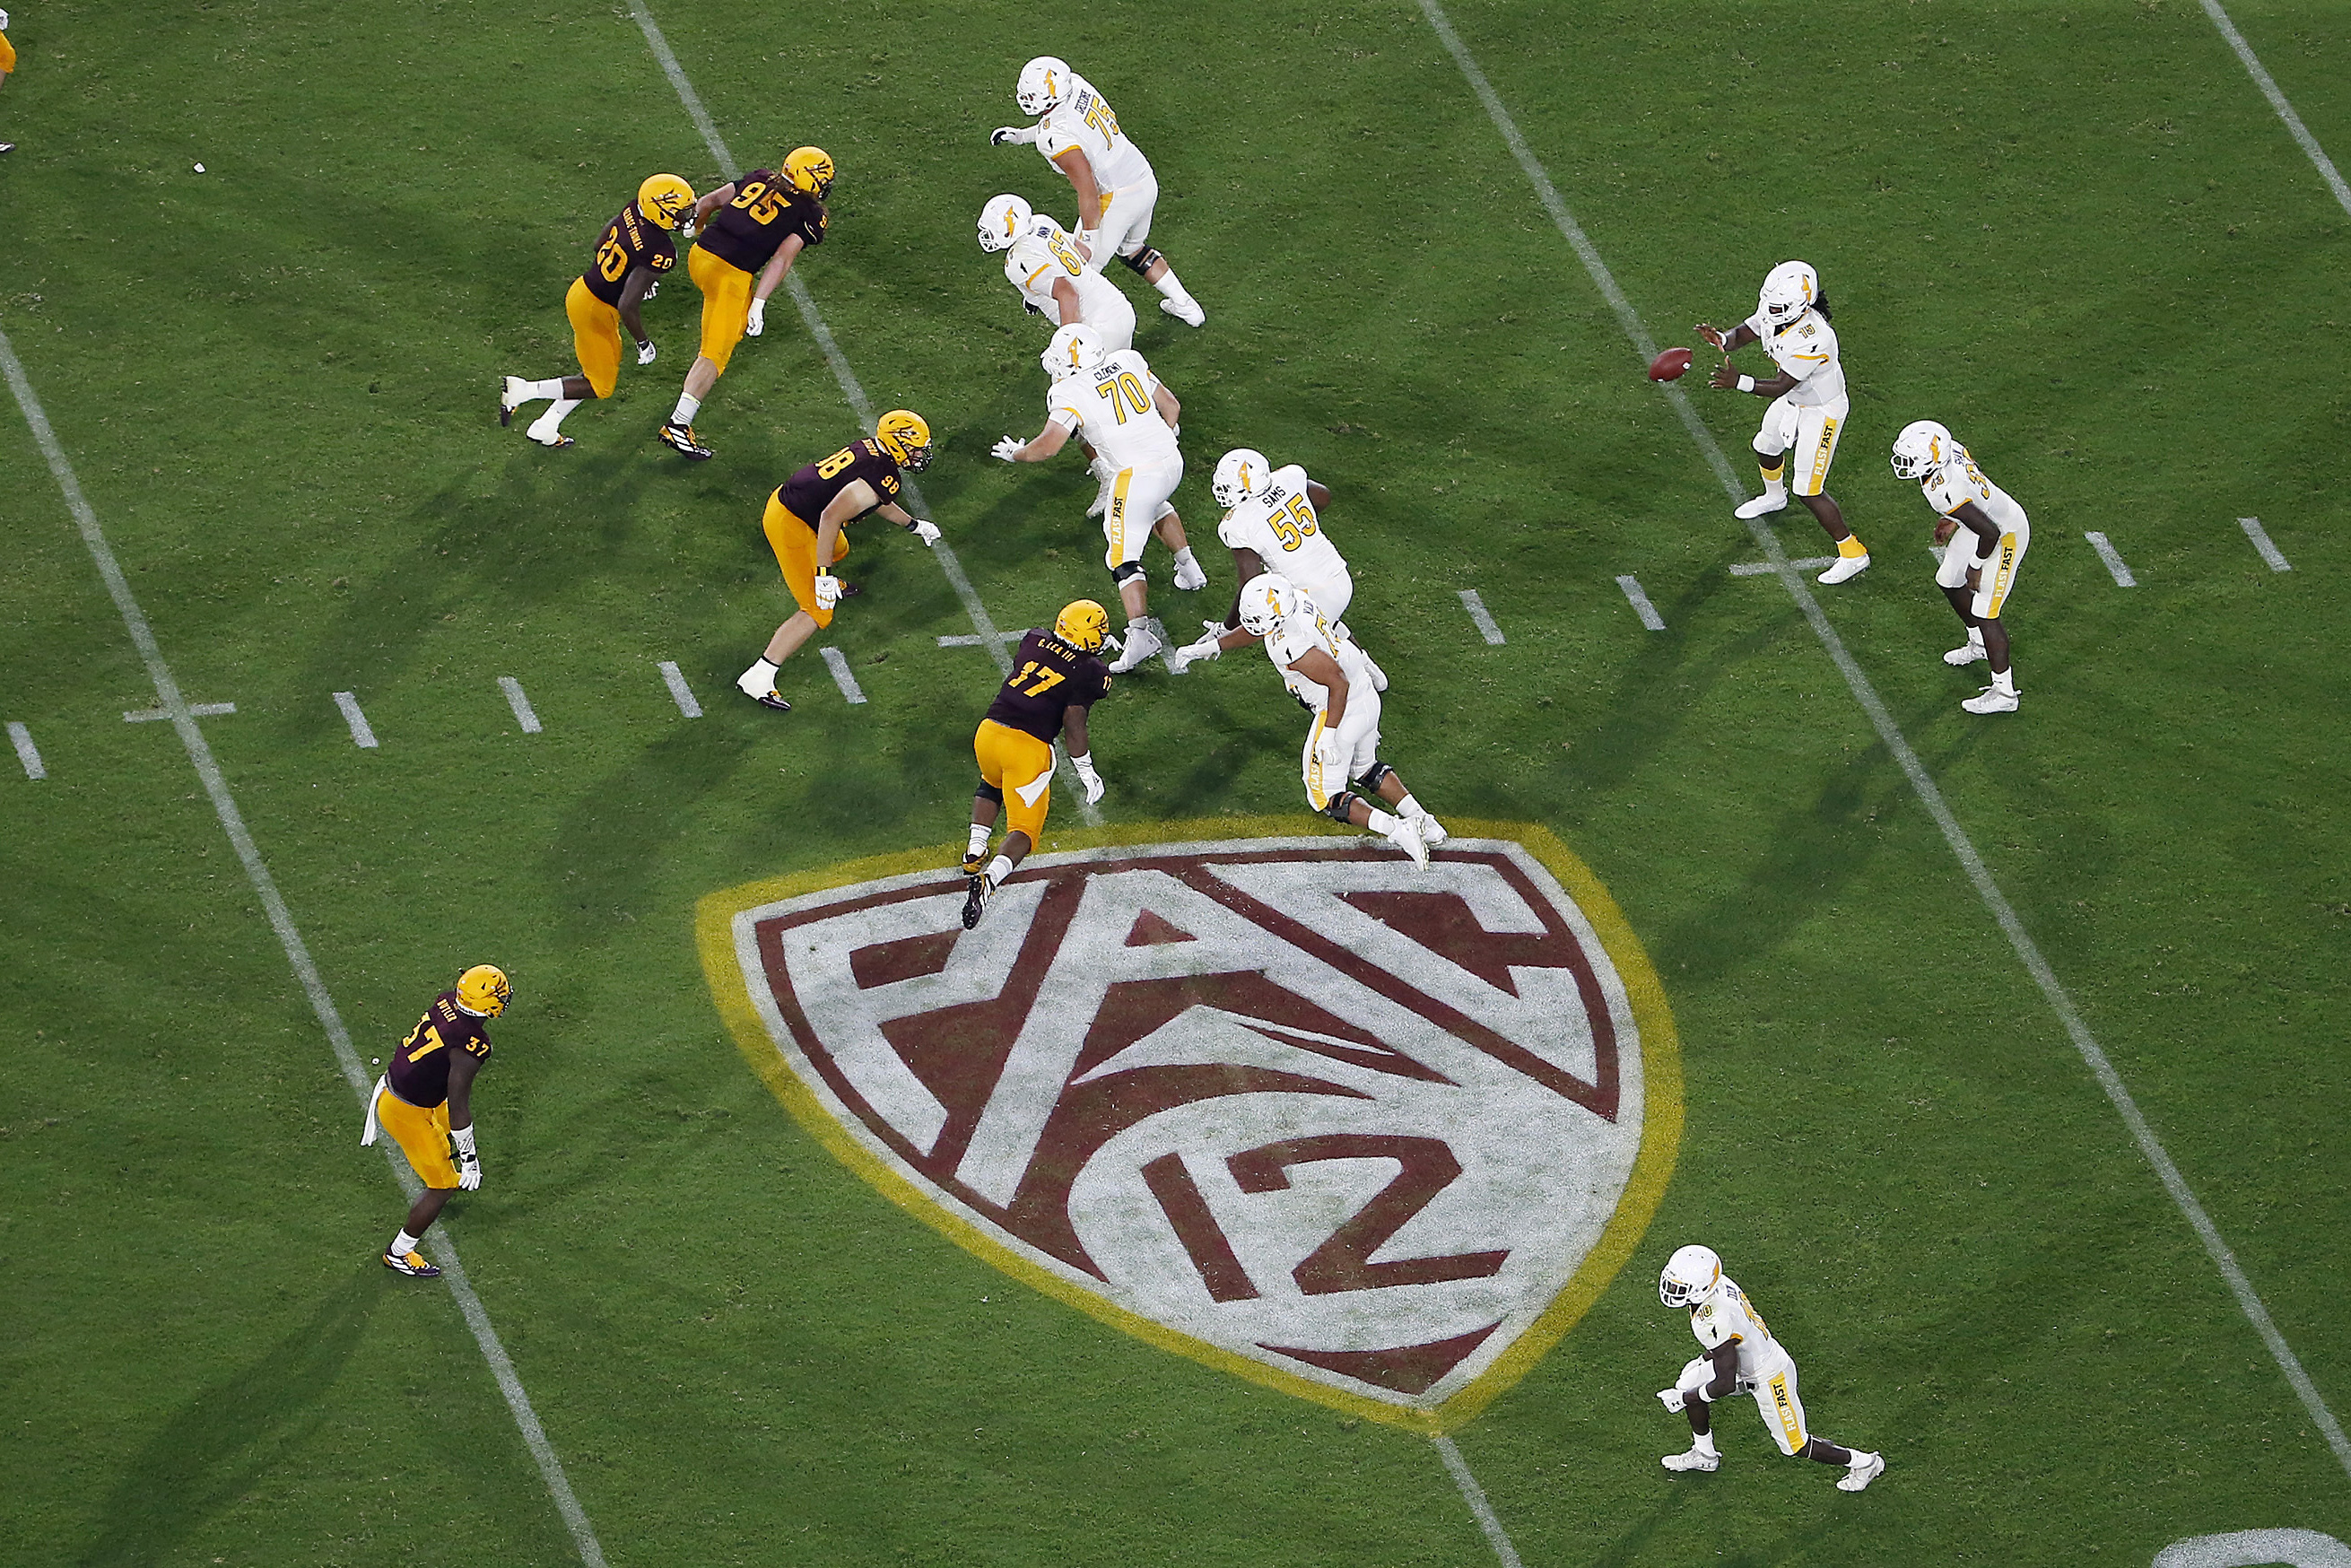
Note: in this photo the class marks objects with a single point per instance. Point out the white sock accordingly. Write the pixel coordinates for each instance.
(1975, 636)
(978, 845)
(2004, 682)
(1408, 807)
(687, 407)
(551, 422)
(552, 387)
(998, 869)
(759, 679)
(1381, 821)
(404, 1244)
(1703, 1442)
(1183, 557)
(1173, 288)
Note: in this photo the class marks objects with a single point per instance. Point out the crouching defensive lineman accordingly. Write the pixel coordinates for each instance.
(426, 1104)
(1056, 678)
(1741, 1357)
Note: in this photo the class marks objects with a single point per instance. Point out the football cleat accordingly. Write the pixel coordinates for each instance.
(974, 903)
(512, 396)
(1846, 567)
(973, 864)
(1864, 1468)
(768, 698)
(905, 437)
(1143, 638)
(1968, 652)
(680, 438)
(1406, 836)
(557, 442)
(1187, 311)
(1991, 699)
(1763, 505)
(1190, 576)
(1432, 831)
(413, 1265)
(1695, 1461)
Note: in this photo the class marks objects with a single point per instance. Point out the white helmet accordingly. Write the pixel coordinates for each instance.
(1001, 221)
(1691, 1277)
(1045, 84)
(1241, 474)
(1788, 290)
(1922, 449)
(1076, 347)
(1267, 601)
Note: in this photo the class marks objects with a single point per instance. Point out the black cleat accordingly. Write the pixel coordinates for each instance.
(680, 438)
(976, 901)
(773, 699)
(558, 443)
(848, 589)
(412, 1264)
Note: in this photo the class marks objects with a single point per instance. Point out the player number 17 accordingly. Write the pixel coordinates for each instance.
(1046, 679)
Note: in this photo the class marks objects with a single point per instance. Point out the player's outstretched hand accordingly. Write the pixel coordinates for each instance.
(1714, 336)
(1672, 1399)
(1008, 449)
(1005, 135)
(927, 532)
(828, 591)
(646, 352)
(1725, 377)
(756, 323)
(1091, 780)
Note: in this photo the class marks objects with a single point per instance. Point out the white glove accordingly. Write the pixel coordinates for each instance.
(1003, 135)
(1326, 752)
(1087, 240)
(828, 591)
(1180, 659)
(469, 1159)
(4, 21)
(1671, 1399)
(686, 229)
(926, 532)
(646, 352)
(1190, 654)
(758, 323)
(1008, 449)
(1084, 766)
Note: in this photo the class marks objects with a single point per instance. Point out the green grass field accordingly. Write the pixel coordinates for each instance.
(2075, 232)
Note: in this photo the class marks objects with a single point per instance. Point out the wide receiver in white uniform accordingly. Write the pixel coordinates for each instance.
(1331, 677)
(1273, 522)
(1985, 533)
(1741, 1357)
(1129, 419)
(1116, 190)
(1808, 402)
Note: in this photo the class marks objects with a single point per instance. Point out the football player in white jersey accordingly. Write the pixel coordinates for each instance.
(1331, 677)
(1116, 190)
(1741, 1357)
(1273, 522)
(1129, 419)
(1808, 401)
(1984, 534)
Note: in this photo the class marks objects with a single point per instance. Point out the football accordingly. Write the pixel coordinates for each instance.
(1670, 365)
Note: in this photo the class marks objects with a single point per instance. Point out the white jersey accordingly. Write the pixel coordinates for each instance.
(1279, 524)
(1805, 349)
(1044, 254)
(1729, 1315)
(1960, 481)
(1111, 406)
(1304, 630)
(1085, 123)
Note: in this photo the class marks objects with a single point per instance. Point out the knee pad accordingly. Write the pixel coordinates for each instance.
(987, 791)
(1143, 260)
(1123, 575)
(1340, 807)
(1372, 778)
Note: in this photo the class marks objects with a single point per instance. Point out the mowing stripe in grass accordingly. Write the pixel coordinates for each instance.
(2115, 567)
(1640, 602)
(858, 403)
(520, 704)
(680, 692)
(838, 662)
(2261, 537)
(1922, 783)
(1481, 617)
(176, 706)
(22, 740)
(362, 736)
(2277, 101)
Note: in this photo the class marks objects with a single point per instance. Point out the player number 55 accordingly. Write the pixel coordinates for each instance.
(1293, 524)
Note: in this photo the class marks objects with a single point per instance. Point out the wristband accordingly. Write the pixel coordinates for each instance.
(1747, 383)
(463, 1137)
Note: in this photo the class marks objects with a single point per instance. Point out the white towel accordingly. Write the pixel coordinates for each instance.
(375, 1094)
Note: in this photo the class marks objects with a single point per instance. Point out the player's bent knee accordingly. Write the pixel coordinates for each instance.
(989, 793)
(1143, 260)
(1126, 573)
(1370, 779)
(1341, 808)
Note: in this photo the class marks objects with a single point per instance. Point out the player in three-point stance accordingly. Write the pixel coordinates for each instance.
(1116, 190)
(630, 257)
(1984, 534)
(1741, 1357)
(752, 229)
(1056, 678)
(1808, 402)
(807, 521)
(426, 1104)
(1332, 679)
(1129, 418)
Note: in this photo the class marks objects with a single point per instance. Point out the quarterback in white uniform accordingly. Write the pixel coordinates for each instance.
(1116, 190)
(1984, 534)
(1129, 419)
(1333, 678)
(1741, 1357)
(1808, 401)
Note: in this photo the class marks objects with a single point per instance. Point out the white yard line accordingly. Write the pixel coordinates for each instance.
(22, 740)
(1771, 568)
(1922, 783)
(201, 710)
(297, 955)
(1481, 618)
(362, 736)
(2261, 537)
(679, 692)
(973, 640)
(2244, 1548)
(850, 388)
(838, 662)
(520, 704)
(1480, 1509)
(1640, 602)
(2262, 79)
(2115, 567)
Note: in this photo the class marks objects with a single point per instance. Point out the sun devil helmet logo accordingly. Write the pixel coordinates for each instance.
(1368, 1133)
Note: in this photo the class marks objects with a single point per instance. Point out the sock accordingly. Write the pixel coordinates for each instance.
(759, 679)
(551, 422)
(979, 844)
(1850, 547)
(404, 1244)
(1408, 807)
(1975, 636)
(1172, 288)
(1381, 821)
(552, 387)
(2004, 682)
(1703, 1443)
(1184, 555)
(1772, 471)
(998, 869)
(687, 407)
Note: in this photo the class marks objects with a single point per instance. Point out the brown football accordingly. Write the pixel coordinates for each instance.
(1670, 365)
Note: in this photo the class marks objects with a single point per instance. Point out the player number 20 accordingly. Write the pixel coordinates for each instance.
(1123, 391)
(1292, 524)
(611, 261)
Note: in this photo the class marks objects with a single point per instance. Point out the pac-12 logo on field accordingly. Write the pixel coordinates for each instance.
(1296, 1107)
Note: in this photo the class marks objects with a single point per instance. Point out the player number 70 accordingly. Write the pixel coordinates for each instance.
(1122, 392)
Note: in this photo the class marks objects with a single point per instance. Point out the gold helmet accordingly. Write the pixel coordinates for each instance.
(483, 989)
(905, 437)
(663, 199)
(809, 169)
(1082, 624)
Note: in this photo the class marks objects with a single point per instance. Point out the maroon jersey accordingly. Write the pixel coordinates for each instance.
(420, 1068)
(629, 243)
(766, 212)
(1049, 677)
(807, 492)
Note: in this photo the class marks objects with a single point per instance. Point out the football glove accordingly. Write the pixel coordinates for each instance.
(1009, 135)
(926, 532)
(1008, 449)
(1671, 1399)
(756, 323)
(646, 352)
(469, 1159)
(1191, 653)
(686, 229)
(1087, 240)
(828, 591)
(1084, 767)
(1326, 752)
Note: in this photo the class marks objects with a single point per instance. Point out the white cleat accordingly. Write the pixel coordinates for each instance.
(1405, 836)
(1432, 831)
(1143, 638)
(1187, 311)
(1864, 1468)
(1991, 699)
(1968, 654)
(1847, 567)
(1695, 1461)
(512, 396)
(1190, 576)
(1763, 505)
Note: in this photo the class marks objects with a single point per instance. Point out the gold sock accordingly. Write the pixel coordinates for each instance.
(1772, 473)
(1851, 546)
